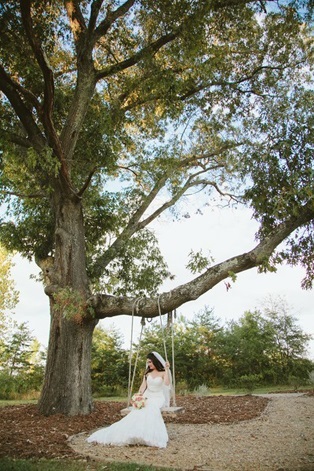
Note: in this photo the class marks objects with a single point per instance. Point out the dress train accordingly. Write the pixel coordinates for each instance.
(140, 426)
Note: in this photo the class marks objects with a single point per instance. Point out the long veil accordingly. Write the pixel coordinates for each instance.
(167, 389)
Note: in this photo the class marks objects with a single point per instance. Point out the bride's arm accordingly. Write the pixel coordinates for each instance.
(166, 374)
(143, 386)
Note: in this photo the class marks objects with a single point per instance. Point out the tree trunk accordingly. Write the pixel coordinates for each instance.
(67, 384)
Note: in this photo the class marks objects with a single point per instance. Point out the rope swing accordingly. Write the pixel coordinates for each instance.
(131, 378)
(135, 307)
(173, 392)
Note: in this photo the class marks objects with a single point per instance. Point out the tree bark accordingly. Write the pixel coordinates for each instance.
(67, 384)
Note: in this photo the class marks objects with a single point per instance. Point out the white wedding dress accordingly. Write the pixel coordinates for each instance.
(140, 426)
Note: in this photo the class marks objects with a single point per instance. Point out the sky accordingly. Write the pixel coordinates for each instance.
(222, 232)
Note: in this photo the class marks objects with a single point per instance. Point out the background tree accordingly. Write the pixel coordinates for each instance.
(111, 112)
(17, 353)
(22, 361)
(264, 347)
(8, 294)
(196, 363)
(289, 342)
(247, 344)
(110, 362)
(8, 300)
(242, 353)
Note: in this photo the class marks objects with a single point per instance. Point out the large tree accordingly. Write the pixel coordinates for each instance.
(111, 112)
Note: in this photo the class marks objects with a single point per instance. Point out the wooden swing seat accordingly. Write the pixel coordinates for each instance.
(171, 411)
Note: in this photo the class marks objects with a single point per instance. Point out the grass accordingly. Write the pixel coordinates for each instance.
(16, 402)
(219, 391)
(7, 464)
(112, 398)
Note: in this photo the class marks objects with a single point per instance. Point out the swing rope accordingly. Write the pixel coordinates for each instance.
(174, 402)
(131, 378)
(165, 350)
(162, 331)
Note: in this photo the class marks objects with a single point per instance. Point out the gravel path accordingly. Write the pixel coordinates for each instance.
(281, 439)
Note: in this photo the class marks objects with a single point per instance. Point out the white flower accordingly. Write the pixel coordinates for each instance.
(138, 401)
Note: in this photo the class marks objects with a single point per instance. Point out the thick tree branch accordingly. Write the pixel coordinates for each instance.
(81, 100)
(29, 96)
(85, 86)
(24, 114)
(83, 35)
(16, 138)
(151, 49)
(47, 108)
(87, 182)
(94, 12)
(130, 229)
(77, 22)
(111, 17)
(111, 306)
(40, 57)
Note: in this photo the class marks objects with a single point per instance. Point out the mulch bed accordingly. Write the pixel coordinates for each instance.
(24, 433)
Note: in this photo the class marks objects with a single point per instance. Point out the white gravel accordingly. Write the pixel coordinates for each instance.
(281, 439)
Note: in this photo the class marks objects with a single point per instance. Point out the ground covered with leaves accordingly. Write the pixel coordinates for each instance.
(24, 433)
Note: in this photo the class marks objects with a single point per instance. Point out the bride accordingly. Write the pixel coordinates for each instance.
(144, 426)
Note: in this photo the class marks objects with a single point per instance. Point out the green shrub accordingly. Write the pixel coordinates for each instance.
(8, 386)
(249, 382)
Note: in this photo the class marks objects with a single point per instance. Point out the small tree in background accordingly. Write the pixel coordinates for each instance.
(289, 342)
(21, 356)
(22, 361)
(109, 363)
(249, 340)
(264, 346)
(8, 295)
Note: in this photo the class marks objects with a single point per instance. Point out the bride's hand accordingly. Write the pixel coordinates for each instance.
(167, 364)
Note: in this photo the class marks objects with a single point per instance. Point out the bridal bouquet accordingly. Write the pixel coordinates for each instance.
(138, 401)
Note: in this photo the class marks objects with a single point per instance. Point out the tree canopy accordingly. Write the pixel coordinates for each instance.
(168, 109)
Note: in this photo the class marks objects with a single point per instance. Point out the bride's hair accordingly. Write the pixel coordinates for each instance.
(158, 365)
